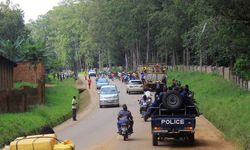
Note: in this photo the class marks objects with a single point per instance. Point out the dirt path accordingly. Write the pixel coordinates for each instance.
(84, 107)
(96, 129)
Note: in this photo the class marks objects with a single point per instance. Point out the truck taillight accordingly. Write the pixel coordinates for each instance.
(157, 128)
(189, 128)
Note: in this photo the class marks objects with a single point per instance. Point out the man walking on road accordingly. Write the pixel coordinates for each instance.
(74, 108)
(89, 83)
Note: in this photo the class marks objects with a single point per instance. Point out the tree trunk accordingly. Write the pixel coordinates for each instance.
(131, 58)
(137, 53)
(109, 59)
(126, 61)
(166, 52)
(174, 58)
(147, 54)
(166, 59)
(184, 57)
(134, 60)
(99, 57)
(188, 57)
(200, 57)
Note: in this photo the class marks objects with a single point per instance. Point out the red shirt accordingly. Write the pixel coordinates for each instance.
(89, 81)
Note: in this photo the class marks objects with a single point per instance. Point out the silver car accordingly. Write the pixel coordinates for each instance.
(101, 82)
(109, 96)
(135, 86)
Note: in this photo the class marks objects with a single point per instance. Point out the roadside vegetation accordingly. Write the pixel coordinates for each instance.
(56, 109)
(99, 33)
(19, 85)
(225, 105)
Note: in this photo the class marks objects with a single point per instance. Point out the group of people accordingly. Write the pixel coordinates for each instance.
(184, 91)
(156, 68)
(126, 77)
(63, 75)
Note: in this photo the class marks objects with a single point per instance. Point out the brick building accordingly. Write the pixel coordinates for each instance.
(26, 72)
(6, 73)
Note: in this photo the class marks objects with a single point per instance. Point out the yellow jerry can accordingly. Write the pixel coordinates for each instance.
(65, 145)
(35, 142)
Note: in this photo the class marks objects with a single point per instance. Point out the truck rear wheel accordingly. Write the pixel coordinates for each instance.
(155, 140)
(172, 100)
(191, 139)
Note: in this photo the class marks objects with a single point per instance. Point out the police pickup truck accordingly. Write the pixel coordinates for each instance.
(174, 119)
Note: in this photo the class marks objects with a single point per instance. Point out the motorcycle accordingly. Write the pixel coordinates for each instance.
(124, 129)
(144, 106)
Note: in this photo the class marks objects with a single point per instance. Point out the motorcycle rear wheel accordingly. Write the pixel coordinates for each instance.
(125, 137)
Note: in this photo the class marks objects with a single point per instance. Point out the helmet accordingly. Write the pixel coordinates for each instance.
(124, 106)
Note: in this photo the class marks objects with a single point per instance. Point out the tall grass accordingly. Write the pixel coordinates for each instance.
(56, 109)
(226, 106)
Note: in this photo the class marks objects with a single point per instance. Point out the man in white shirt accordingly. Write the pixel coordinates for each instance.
(74, 108)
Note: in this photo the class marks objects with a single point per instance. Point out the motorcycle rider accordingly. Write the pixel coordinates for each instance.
(125, 115)
(143, 102)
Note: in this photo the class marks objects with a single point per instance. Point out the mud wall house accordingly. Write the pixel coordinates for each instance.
(26, 72)
(19, 100)
(6, 81)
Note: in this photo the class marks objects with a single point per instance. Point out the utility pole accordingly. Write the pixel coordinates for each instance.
(203, 29)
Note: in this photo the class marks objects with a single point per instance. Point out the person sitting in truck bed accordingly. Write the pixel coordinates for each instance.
(188, 99)
(157, 102)
(186, 94)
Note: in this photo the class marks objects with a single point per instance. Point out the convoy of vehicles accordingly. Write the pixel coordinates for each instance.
(109, 96)
(174, 117)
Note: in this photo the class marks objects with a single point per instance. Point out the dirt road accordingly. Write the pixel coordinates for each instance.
(96, 129)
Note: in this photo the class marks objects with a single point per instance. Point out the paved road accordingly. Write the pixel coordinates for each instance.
(96, 129)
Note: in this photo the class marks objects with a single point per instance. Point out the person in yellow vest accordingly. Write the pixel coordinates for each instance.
(145, 69)
(85, 75)
(74, 103)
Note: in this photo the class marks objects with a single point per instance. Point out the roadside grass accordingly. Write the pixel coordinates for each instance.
(57, 108)
(19, 85)
(226, 106)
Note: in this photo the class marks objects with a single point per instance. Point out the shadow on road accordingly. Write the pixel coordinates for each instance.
(183, 144)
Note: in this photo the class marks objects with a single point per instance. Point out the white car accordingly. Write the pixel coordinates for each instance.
(92, 73)
(135, 86)
(109, 96)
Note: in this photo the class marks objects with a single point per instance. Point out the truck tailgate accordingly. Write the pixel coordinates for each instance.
(172, 123)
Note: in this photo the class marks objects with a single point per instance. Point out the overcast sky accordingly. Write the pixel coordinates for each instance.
(33, 8)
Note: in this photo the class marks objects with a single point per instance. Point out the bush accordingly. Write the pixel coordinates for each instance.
(242, 67)
(19, 85)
